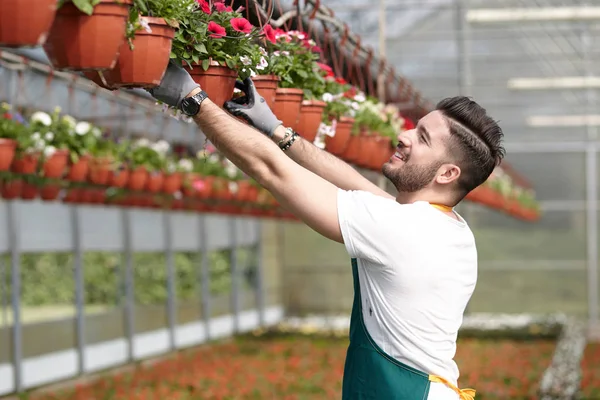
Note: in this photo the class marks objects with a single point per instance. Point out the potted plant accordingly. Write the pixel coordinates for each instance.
(87, 34)
(338, 116)
(257, 66)
(11, 128)
(144, 56)
(293, 60)
(210, 42)
(25, 23)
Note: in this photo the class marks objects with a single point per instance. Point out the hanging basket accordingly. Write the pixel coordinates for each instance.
(288, 103)
(145, 65)
(217, 81)
(311, 113)
(25, 23)
(266, 86)
(7, 153)
(337, 144)
(80, 42)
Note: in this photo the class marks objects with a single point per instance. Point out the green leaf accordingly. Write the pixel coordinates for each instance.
(84, 6)
(205, 64)
(196, 58)
(201, 48)
(173, 55)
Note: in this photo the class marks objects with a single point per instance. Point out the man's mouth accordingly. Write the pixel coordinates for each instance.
(399, 155)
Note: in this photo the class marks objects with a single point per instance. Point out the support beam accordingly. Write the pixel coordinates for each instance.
(538, 14)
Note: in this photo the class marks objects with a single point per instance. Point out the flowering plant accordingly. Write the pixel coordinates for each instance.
(213, 33)
(170, 10)
(293, 57)
(13, 125)
(151, 156)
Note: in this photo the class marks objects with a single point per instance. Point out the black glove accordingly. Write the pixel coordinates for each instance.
(253, 108)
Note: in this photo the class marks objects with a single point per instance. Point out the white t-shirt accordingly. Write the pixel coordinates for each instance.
(417, 269)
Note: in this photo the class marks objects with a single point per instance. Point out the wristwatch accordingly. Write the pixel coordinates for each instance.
(190, 106)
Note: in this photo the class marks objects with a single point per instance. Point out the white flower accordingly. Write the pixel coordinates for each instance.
(252, 72)
(36, 137)
(263, 52)
(161, 147)
(213, 158)
(245, 60)
(39, 145)
(360, 97)
(185, 164)
(143, 142)
(69, 121)
(144, 23)
(57, 109)
(263, 64)
(42, 118)
(355, 106)
(82, 128)
(96, 132)
(49, 151)
(233, 187)
(327, 97)
(285, 53)
(49, 136)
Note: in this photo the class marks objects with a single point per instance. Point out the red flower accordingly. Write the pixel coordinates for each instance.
(204, 6)
(216, 30)
(221, 7)
(341, 80)
(7, 116)
(269, 33)
(325, 67)
(241, 25)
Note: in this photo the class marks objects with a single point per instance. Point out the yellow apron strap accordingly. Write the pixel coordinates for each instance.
(464, 394)
(442, 207)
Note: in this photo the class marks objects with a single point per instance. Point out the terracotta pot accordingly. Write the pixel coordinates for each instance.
(99, 171)
(145, 65)
(25, 23)
(7, 151)
(221, 190)
(118, 178)
(204, 186)
(172, 183)
(54, 167)
(80, 42)
(78, 172)
(288, 103)
(337, 144)
(353, 149)
(99, 78)
(311, 113)
(137, 179)
(217, 81)
(26, 164)
(383, 152)
(266, 86)
(155, 182)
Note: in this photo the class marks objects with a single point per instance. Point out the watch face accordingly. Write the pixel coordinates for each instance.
(190, 107)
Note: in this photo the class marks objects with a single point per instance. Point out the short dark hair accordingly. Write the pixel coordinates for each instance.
(475, 141)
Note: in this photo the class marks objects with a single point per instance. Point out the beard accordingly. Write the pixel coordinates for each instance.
(410, 178)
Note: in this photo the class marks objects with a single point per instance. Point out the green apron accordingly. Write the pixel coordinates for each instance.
(371, 374)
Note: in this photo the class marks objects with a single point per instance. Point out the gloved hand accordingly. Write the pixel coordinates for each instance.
(175, 86)
(253, 108)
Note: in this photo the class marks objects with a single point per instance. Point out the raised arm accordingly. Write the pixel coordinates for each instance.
(326, 165)
(305, 194)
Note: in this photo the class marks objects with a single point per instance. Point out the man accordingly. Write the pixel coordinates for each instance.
(414, 258)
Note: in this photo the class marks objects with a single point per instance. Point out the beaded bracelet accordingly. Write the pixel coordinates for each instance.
(290, 142)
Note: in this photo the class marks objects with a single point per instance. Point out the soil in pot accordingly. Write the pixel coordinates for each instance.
(25, 23)
(266, 86)
(217, 81)
(80, 42)
(7, 153)
(337, 144)
(288, 103)
(311, 113)
(145, 65)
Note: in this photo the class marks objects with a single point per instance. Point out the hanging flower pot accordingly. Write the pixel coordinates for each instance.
(145, 65)
(99, 170)
(80, 42)
(155, 182)
(353, 149)
(26, 164)
(217, 81)
(137, 179)
(337, 144)
(383, 151)
(266, 86)
(25, 23)
(118, 178)
(311, 113)
(172, 183)
(7, 152)
(288, 103)
(54, 167)
(79, 170)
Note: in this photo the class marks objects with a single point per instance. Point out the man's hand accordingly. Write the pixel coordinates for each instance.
(253, 108)
(175, 86)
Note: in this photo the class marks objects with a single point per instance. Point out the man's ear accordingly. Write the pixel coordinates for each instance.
(448, 173)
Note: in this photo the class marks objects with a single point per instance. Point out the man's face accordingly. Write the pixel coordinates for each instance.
(420, 155)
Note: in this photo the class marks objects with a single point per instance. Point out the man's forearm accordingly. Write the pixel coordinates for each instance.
(329, 167)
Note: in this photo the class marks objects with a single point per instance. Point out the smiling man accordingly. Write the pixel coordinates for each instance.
(414, 259)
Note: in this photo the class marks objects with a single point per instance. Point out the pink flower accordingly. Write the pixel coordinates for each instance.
(221, 7)
(216, 30)
(204, 6)
(198, 185)
(269, 33)
(241, 25)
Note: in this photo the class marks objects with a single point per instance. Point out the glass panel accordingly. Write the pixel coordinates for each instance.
(150, 288)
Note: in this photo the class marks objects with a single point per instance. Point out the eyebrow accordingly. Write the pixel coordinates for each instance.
(425, 133)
